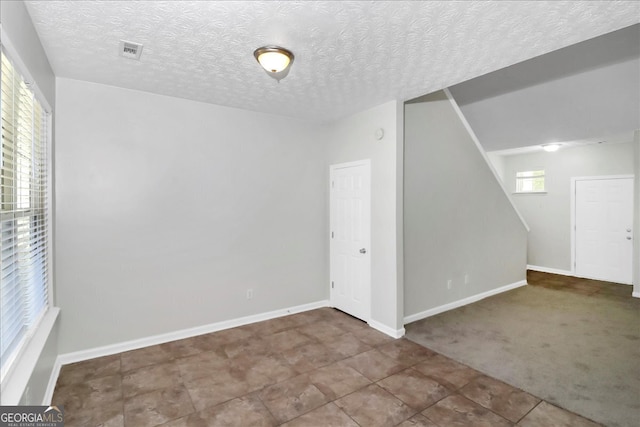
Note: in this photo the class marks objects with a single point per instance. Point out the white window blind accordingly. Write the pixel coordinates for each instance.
(23, 214)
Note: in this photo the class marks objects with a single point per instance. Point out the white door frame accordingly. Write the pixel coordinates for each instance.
(332, 168)
(573, 212)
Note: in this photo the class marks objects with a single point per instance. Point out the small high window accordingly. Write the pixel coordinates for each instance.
(530, 182)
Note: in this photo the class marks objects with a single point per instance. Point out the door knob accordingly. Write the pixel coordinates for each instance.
(363, 251)
(628, 238)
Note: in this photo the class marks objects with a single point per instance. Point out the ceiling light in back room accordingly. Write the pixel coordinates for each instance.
(275, 60)
(550, 148)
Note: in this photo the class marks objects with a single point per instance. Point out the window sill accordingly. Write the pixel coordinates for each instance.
(14, 385)
(528, 192)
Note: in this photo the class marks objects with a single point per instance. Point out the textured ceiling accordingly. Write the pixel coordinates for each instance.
(349, 55)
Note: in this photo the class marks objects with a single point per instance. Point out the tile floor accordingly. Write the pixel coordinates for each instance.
(318, 368)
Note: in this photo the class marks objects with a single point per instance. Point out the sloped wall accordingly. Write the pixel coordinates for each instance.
(457, 219)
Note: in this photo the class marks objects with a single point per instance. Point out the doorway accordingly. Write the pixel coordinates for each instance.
(350, 238)
(603, 228)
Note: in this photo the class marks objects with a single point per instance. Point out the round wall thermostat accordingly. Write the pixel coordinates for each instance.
(379, 133)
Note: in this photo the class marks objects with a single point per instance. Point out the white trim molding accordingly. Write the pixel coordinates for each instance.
(635, 294)
(79, 356)
(550, 270)
(462, 302)
(394, 333)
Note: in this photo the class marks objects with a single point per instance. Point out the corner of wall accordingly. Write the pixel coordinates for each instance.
(636, 217)
(400, 215)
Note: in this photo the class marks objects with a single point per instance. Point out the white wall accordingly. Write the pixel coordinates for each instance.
(353, 138)
(16, 24)
(549, 215)
(168, 210)
(457, 219)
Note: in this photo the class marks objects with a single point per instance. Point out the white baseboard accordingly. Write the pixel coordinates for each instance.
(394, 333)
(462, 302)
(78, 356)
(635, 294)
(550, 270)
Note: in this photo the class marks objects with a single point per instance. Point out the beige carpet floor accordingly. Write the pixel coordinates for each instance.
(578, 349)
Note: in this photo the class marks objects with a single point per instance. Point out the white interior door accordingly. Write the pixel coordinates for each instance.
(350, 252)
(603, 233)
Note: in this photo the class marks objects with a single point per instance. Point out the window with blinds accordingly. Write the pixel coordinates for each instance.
(23, 214)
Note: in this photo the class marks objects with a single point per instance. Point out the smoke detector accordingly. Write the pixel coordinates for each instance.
(130, 50)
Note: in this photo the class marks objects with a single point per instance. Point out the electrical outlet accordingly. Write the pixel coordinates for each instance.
(249, 293)
(449, 283)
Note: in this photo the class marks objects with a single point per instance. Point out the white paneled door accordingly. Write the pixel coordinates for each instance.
(350, 238)
(603, 233)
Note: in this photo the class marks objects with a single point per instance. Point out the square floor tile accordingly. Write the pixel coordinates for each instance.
(292, 398)
(89, 394)
(372, 337)
(501, 398)
(321, 331)
(328, 415)
(458, 411)
(405, 352)
(182, 348)
(200, 365)
(286, 340)
(447, 371)
(414, 388)
(545, 415)
(418, 420)
(145, 356)
(213, 390)
(157, 407)
(310, 356)
(75, 373)
(374, 365)
(261, 371)
(373, 406)
(149, 378)
(243, 411)
(347, 345)
(109, 414)
(337, 380)
(255, 346)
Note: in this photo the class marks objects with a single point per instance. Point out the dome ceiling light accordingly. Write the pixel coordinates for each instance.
(275, 60)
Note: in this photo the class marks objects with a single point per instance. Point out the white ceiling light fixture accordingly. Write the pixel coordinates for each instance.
(550, 148)
(275, 60)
